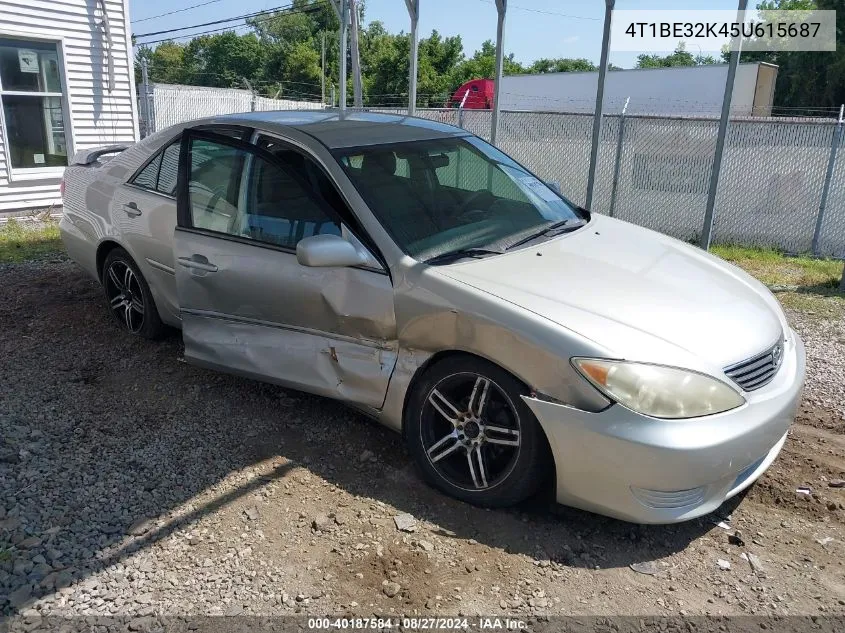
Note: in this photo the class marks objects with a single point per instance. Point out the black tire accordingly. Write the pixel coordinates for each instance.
(135, 311)
(515, 472)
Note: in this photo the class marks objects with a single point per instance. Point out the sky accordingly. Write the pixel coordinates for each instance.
(533, 29)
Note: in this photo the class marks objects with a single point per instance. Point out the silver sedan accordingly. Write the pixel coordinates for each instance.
(419, 274)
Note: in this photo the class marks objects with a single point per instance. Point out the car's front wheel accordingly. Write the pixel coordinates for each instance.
(130, 300)
(473, 436)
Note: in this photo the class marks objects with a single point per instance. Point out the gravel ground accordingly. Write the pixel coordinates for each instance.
(133, 484)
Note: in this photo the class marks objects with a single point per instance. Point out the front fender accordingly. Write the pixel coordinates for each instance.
(436, 314)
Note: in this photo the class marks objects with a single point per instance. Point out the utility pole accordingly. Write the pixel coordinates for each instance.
(341, 8)
(356, 57)
(323, 72)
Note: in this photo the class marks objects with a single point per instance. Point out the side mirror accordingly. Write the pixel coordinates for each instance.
(322, 251)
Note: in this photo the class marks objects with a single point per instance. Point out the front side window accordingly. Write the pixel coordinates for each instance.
(32, 104)
(235, 192)
(450, 194)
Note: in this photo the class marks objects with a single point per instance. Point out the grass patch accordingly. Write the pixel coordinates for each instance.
(20, 242)
(774, 268)
(801, 283)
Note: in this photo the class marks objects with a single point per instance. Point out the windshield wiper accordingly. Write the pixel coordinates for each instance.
(570, 224)
(461, 253)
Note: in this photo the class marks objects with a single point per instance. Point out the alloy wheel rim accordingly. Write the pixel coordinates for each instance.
(470, 431)
(126, 299)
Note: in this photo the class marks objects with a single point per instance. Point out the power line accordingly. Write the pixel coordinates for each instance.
(546, 12)
(161, 15)
(193, 35)
(257, 20)
(223, 21)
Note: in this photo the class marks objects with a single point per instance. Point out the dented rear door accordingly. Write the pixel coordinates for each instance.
(248, 306)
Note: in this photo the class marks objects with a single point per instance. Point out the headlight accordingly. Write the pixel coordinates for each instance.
(657, 391)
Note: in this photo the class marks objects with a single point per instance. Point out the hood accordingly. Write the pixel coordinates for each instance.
(635, 293)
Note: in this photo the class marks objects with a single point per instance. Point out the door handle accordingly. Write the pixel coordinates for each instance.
(198, 262)
(131, 209)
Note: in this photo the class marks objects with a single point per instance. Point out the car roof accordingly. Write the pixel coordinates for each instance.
(352, 129)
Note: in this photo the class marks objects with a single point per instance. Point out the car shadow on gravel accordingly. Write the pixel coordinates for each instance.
(109, 444)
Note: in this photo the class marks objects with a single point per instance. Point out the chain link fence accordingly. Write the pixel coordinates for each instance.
(164, 105)
(653, 170)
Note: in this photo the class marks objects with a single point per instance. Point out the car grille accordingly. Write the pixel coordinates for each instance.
(758, 370)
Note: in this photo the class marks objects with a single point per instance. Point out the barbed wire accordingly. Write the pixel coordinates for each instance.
(680, 106)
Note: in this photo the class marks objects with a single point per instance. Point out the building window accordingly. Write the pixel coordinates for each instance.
(31, 104)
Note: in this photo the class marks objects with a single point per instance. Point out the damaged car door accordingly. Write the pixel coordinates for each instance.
(248, 306)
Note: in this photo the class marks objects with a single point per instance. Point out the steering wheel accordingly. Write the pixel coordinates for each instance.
(476, 205)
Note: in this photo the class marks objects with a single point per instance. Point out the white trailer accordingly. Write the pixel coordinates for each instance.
(692, 90)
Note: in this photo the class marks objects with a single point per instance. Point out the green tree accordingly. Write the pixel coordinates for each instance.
(386, 66)
(224, 59)
(681, 57)
(293, 39)
(482, 65)
(807, 81)
(165, 63)
(561, 65)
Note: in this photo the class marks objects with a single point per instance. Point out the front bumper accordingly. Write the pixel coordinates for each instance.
(626, 465)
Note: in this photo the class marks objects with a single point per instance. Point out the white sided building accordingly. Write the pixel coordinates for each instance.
(66, 83)
(684, 91)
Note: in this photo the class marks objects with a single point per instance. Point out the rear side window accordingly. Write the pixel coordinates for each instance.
(148, 176)
(160, 173)
(169, 170)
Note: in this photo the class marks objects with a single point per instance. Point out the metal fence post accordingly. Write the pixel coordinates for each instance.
(618, 164)
(146, 109)
(461, 111)
(501, 8)
(831, 164)
(252, 95)
(597, 120)
(414, 13)
(707, 229)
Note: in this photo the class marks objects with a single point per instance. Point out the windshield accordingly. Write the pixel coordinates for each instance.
(443, 195)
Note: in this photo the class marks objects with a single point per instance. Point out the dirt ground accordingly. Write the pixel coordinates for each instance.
(134, 484)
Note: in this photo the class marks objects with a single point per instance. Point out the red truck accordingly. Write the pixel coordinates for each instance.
(475, 94)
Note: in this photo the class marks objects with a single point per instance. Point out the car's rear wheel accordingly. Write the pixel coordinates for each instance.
(130, 300)
(473, 436)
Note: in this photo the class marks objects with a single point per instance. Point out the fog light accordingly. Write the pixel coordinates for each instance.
(669, 499)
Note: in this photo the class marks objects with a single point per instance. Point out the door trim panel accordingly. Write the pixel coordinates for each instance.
(351, 371)
(159, 266)
(210, 314)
